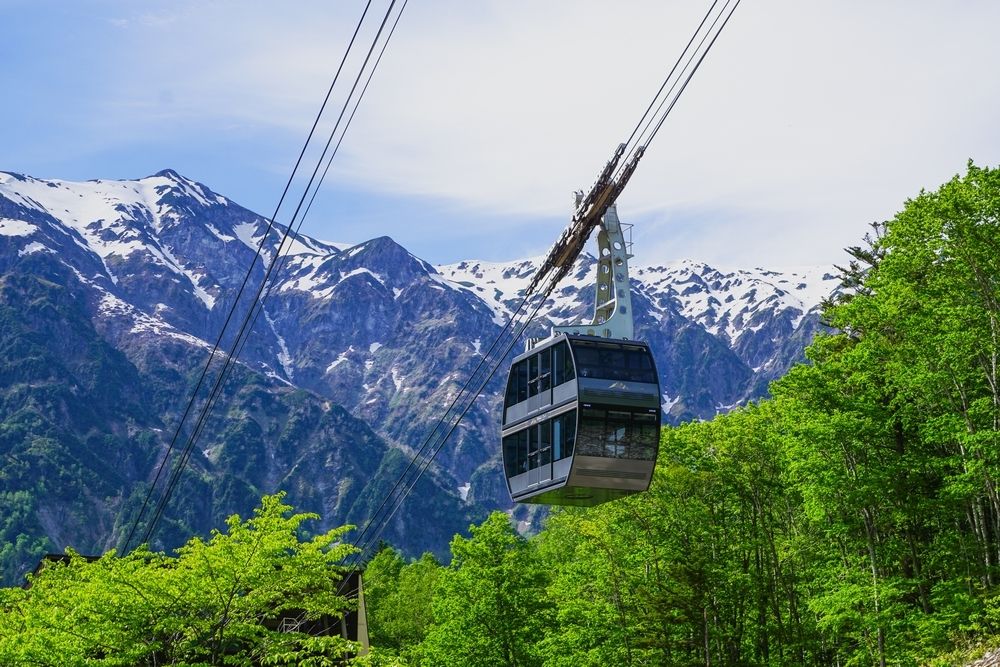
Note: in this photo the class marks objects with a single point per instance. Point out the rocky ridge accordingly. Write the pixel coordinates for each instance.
(157, 262)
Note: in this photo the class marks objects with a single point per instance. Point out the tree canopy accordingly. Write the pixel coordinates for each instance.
(853, 518)
(219, 601)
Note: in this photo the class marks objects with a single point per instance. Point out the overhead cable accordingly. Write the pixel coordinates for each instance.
(240, 339)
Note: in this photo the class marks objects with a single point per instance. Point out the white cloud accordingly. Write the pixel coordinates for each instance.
(806, 122)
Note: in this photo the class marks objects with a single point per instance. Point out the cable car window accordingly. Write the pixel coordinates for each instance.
(521, 371)
(510, 455)
(522, 451)
(562, 364)
(532, 375)
(544, 370)
(617, 433)
(545, 442)
(516, 453)
(558, 376)
(613, 362)
(640, 366)
(569, 432)
(646, 430)
(532, 447)
(590, 440)
(510, 397)
(563, 435)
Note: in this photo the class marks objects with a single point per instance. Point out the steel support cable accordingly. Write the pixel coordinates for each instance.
(364, 546)
(542, 300)
(383, 524)
(697, 65)
(246, 279)
(616, 174)
(685, 76)
(260, 305)
(421, 451)
(648, 119)
(624, 165)
(216, 390)
(669, 75)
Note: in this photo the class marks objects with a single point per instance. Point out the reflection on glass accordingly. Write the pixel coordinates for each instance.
(617, 433)
(540, 444)
(611, 362)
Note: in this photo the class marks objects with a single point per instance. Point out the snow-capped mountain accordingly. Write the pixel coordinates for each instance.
(159, 261)
(732, 305)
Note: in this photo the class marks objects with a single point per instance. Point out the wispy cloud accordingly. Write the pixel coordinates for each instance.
(807, 121)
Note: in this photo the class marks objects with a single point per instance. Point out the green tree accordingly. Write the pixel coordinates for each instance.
(217, 602)
(398, 600)
(489, 606)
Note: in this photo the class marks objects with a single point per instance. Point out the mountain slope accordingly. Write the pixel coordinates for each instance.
(349, 336)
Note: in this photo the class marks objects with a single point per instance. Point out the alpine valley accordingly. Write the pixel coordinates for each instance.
(113, 293)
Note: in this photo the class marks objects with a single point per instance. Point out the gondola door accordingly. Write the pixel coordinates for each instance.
(541, 371)
(545, 451)
(540, 453)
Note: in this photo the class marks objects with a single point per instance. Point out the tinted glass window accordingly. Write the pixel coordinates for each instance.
(569, 373)
(645, 434)
(510, 455)
(522, 451)
(612, 362)
(532, 375)
(617, 433)
(558, 376)
(544, 370)
(545, 442)
(541, 444)
(590, 439)
(510, 397)
(562, 364)
(522, 381)
(563, 435)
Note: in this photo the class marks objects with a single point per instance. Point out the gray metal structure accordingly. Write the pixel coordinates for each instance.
(581, 416)
(581, 421)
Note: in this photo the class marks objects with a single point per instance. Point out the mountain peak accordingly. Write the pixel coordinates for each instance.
(181, 187)
(170, 173)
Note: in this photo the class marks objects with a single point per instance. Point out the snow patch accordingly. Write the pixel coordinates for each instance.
(340, 359)
(9, 227)
(284, 358)
(32, 247)
(217, 234)
(245, 232)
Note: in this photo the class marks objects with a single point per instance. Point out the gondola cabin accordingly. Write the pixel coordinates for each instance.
(581, 421)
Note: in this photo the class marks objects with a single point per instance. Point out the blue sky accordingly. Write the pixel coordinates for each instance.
(808, 120)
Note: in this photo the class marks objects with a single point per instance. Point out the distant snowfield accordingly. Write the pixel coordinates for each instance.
(115, 219)
(723, 301)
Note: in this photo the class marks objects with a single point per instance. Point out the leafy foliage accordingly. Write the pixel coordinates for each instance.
(217, 602)
(851, 519)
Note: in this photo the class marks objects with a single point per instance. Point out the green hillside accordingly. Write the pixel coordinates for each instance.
(852, 519)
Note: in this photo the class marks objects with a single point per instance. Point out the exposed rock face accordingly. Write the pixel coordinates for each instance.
(356, 354)
(991, 659)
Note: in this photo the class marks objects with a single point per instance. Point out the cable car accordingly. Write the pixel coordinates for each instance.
(581, 412)
(581, 421)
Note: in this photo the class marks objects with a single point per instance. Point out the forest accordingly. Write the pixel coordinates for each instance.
(852, 518)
